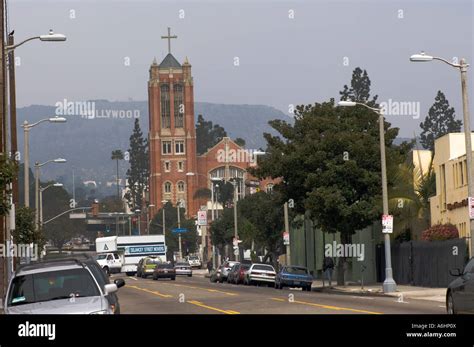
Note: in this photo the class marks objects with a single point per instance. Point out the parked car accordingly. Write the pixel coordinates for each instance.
(460, 293)
(238, 276)
(232, 273)
(164, 270)
(225, 268)
(183, 269)
(260, 274)
(66, 285)
(294, 276)
(146, 266)
(194, 261)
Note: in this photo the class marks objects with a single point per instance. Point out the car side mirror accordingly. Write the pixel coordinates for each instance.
(455, 272)
(110, 288)
(120, 282)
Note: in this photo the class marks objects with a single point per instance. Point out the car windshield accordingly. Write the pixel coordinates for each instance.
(51, 285)
(193, 258)
(263, 267)
(101, 256)
(296, 270)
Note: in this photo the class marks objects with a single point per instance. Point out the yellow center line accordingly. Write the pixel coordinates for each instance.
(151, 291)
(202, 288)
(200, 304)
(193, 302)
(329, 307)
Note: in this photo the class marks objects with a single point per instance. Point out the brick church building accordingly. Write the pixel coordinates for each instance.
(177, 172)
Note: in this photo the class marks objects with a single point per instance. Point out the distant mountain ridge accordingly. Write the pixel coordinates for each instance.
(94, 128)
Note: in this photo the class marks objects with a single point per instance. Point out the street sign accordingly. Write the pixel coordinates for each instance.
(80, 215)
(179, 230)
(387, 224)
(202, 218)
(286, 238)
(471, 208)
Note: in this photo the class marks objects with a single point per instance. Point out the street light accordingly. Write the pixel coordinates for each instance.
(41, 190)
(389, 284)
(462, 66)
(50, 37)
(26, 138)
(148, 221)
(37, 184)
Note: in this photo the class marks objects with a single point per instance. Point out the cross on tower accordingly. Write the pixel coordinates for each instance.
(169, 37)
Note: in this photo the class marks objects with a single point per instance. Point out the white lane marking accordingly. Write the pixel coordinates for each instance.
(132, 278)
(362, 297)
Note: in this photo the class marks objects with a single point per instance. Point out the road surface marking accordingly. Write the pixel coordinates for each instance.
(151, 292)
(132, 278)
(206, 289)
(362, 297)
(200, 304)
(329, 307)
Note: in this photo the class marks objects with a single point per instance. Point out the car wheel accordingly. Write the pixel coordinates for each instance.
(450, 304)
(107, 271)
(190, 275)
(270, 285)
(154, 278)
(173, 278)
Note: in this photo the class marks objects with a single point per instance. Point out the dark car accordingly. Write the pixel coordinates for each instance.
(460, 293)
(233, 273)
(237, 275)
(294, 276)
(225, 268)
(164, 271)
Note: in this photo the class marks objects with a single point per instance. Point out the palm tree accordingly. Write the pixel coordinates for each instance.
(409, 197)
(117, 155)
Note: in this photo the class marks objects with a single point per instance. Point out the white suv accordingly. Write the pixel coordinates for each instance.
(194, 261)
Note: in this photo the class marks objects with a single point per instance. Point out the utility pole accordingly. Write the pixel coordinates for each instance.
(287, 230)
(13, 129)
(3, 139)
(236, 232)
(178, 205)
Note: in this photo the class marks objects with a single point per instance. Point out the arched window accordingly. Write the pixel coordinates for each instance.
(165, 106)
(178, 106)
(180, 186)
(269, 187)
(167, 188)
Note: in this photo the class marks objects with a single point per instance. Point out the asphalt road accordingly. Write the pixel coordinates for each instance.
(196, 295)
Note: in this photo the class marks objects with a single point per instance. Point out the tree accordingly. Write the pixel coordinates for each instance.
(262, 220)
(111, 204)
(440, 121)
(329, 162)
(240, 142)
(8, 170)
(25, 230)
(117, 155)
(137, 174)
(207, 134)
(55, 201)
(188, 239)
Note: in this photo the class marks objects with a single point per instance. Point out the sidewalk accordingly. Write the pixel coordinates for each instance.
(403, 291)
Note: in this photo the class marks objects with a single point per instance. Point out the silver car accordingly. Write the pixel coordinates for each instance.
(183, 269)
(63, 286)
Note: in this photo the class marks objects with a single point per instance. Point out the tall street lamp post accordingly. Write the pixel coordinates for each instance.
(462, 66)
(37, 185)
(26, 138)
(41, 190)
(389, 284)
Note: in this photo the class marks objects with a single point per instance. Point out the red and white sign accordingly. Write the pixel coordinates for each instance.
(387, 224)
(471, 208)
(202, 218)
(286, 238)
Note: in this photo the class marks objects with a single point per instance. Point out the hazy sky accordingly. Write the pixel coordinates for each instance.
(283, 60)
